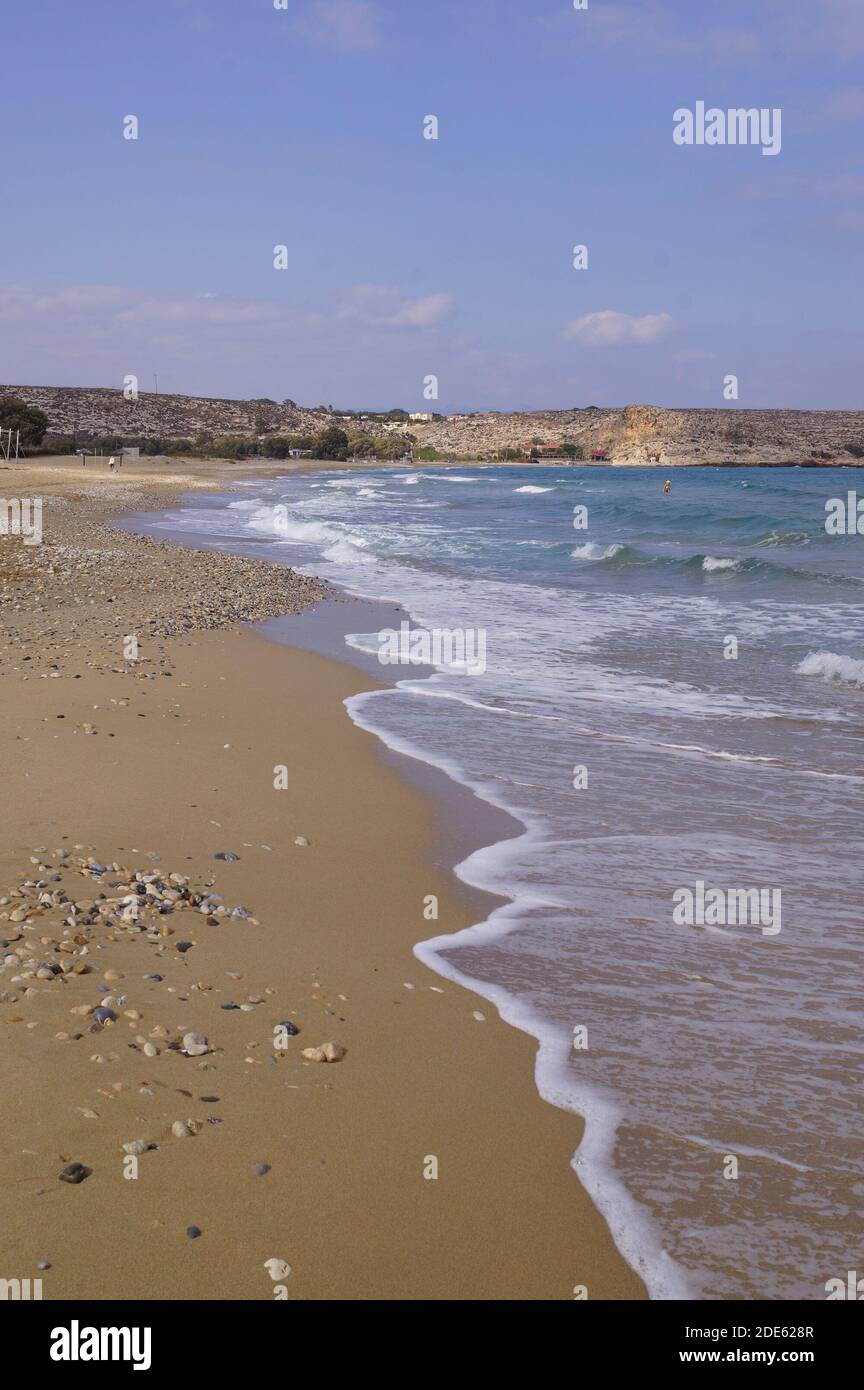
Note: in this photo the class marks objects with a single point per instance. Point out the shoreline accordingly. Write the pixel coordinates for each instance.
(498, 1222)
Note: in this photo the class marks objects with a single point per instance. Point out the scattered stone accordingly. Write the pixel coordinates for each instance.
(193, 1232)
(104, 1015)
(277, 1269)
(227, 855)
(301, 840)
(75, 1173)
(195, 1044)
(136, 1146)
(260, 1169)
(327, 1052)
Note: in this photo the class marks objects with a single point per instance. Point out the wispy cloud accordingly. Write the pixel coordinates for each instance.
(387, 307)
(347, 26)
(649, 29)
(88, 334)
(374, 306)
(609, 328)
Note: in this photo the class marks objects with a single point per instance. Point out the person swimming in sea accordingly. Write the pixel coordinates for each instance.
(667, 486)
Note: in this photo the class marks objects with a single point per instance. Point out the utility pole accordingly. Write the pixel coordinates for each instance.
(156, 382)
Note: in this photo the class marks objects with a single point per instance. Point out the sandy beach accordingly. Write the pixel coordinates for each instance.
(155, 766)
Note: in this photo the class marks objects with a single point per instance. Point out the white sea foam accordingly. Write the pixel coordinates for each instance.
(533, 489)
(845, 670)
(345, 552)
(592, 551)
(713, 562)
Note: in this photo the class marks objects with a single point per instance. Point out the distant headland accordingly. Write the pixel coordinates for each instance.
(629, 435)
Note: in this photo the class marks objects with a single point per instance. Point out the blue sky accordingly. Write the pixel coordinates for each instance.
(408, 257)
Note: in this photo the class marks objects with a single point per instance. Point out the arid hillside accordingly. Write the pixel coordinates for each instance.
(640, 434)
(98, 411)
(632, 435)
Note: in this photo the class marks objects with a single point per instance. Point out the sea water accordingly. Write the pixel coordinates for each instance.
(672, 694)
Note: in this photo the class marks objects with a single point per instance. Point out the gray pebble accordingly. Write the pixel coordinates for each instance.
(75, 1173)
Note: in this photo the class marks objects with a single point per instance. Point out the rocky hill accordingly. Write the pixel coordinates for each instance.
(634, 434)
(640, 434)
(77, 410)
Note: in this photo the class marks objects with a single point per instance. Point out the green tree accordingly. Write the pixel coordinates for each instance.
(16, 414)
(331, 443)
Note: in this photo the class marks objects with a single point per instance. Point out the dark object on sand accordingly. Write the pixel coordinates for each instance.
(75, 1173)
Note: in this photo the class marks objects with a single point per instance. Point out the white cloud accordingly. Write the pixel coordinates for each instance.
(609, 328)
(349, 26)
(387, 307)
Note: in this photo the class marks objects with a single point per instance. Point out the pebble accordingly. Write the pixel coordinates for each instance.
(193, 1232)
(74, 1173)
(103, 1015)
(195, 1044)
(44, 1264)
(327, 1052)
(228, 855)
(290, 1028)
(301, 840)
(180, 1131)
(277, 1269)
(260, 1169)
(136, 1146)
